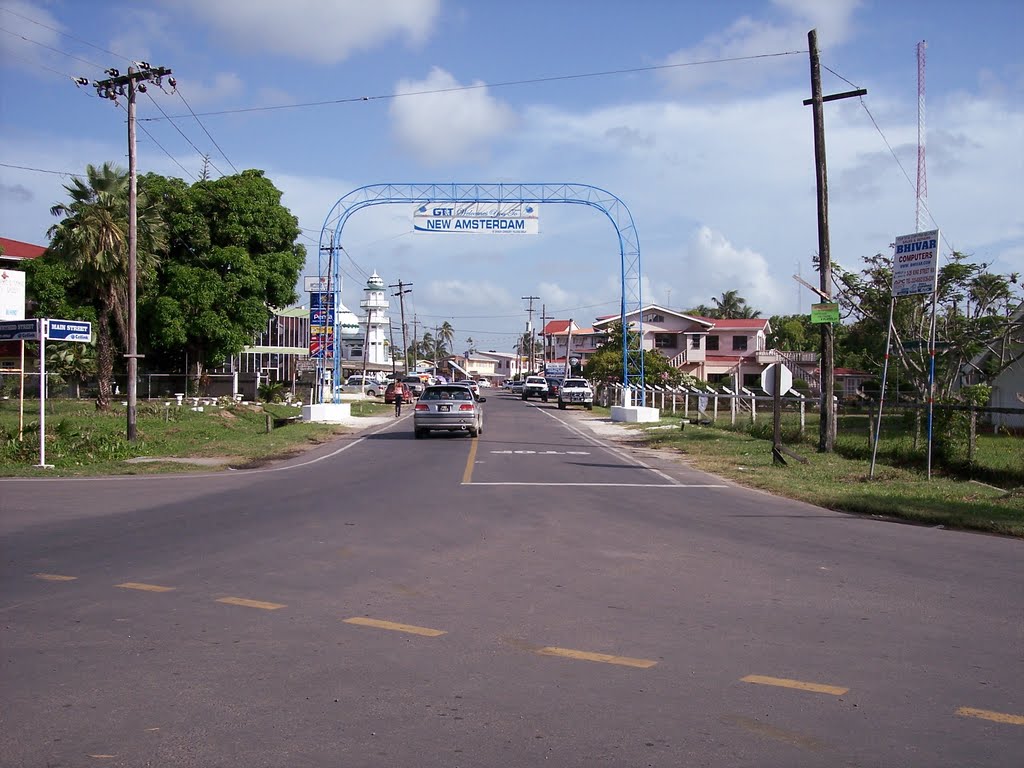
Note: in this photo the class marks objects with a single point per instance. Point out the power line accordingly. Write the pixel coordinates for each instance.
(503, 84)
(180, 96)
(186, 138)
(65, 34)
(41, 170)
(51, 48)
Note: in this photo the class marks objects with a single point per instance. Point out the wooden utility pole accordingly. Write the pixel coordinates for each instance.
(403, 288)
(139, 73)
(827, 427)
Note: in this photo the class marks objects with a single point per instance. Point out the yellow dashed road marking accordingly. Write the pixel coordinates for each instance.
(250, 603)
(799, 685)
(144, 587)
(467, 474)
(986, 714)
(604, 658)
(54, 577)
(409, 628)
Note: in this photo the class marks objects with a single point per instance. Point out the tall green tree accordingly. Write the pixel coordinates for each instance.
(974, 307)
(606, 364)
(793, 333)
(91, 242)
(232, 257)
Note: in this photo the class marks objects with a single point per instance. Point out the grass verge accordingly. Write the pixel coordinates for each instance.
(836, 482)
(81, 441)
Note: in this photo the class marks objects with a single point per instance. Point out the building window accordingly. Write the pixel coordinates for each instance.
(712, 344)
(739, 343)
(718, 378)
(653, 318)
(752, 380)
(664, 341)
(695, 341)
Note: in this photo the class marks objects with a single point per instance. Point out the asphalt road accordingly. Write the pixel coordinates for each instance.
(536, 596)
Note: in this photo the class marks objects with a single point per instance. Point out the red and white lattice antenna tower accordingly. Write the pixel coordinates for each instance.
(922, 174)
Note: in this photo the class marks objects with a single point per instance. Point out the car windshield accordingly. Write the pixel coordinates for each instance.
(576, 383)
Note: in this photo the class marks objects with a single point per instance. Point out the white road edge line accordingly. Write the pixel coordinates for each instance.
(605, 485)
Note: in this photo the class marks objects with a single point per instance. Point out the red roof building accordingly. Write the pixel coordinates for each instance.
(16, 250)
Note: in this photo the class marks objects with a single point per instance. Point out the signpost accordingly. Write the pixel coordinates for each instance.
(777, 380)
(41, 329)
(915, 271)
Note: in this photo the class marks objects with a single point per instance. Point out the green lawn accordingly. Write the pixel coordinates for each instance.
(83, 441)
(840, 481)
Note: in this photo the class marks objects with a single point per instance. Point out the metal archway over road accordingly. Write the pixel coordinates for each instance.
(577, 194)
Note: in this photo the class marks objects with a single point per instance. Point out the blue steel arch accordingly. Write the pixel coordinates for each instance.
(578, 194)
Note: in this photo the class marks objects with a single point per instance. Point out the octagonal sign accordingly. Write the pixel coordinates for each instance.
(768, 379)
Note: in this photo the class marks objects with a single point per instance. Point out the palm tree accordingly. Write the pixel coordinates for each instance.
(445, 337)
(470, 346)
(92, 238)
(732, 305)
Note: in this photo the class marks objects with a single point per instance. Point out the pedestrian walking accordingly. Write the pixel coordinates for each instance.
(399, 392)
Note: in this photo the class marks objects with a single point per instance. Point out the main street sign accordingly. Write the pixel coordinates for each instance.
(68, 330)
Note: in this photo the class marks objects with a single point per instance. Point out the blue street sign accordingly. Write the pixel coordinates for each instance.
(13, 330)
(321, 300)
(69, 330)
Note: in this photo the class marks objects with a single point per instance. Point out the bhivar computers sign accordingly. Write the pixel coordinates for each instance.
(515, 218)
(915, 264)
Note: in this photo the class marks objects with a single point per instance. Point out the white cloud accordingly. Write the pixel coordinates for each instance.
(223, 87)
(748, 36)
(466, 294)
(22, 53)
(322, 31)
(446, 127)
(720, 266)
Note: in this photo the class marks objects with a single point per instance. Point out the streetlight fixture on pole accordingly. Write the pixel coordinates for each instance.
(139, 73)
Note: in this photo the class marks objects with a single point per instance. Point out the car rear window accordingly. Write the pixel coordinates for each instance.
(447, 393)
(576, 383)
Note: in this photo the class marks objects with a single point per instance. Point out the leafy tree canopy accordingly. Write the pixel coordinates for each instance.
(973, 315)
(232, 256)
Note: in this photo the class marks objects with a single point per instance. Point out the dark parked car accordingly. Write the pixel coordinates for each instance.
(554, 385)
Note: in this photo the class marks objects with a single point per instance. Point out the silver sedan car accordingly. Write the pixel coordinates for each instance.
(450, 407)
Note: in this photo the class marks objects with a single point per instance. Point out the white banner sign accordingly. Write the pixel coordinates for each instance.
(915, 265)
(316, 283)
(478, 218)
(12, 294)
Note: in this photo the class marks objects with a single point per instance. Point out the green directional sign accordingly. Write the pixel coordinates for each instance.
(825, 313)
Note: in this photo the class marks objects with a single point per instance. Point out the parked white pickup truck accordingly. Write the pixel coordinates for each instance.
(576, 392)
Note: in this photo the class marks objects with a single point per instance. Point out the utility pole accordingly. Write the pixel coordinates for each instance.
(415, 339)
(391, 332)
(827, 427)
(543, 333)
(139, 73)
(529, 328)
(403, 288)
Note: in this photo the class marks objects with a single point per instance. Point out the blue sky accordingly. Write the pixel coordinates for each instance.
(714, 161)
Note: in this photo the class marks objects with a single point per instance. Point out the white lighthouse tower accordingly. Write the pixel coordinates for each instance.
(375, 350)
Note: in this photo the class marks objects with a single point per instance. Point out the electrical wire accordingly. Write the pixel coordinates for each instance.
(177, 90)
(502, 84)
(42, 170)
(51, 48)
(186, 138)
(65, 34)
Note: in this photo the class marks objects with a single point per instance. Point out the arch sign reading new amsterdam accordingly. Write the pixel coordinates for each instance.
(477, 218)
(474, 208)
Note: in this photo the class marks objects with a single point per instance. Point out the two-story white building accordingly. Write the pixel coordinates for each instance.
(715, 350)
